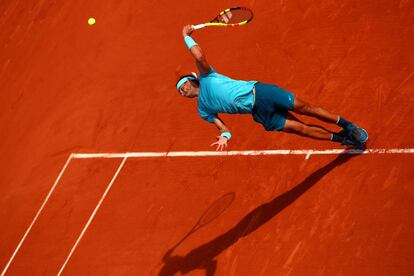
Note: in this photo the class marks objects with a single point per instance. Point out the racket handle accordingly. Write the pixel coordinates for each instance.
(199, 26)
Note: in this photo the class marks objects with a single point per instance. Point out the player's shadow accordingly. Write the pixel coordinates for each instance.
(203, 257)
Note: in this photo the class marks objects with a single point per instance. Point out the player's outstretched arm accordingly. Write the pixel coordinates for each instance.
(224, 137)
(195, 50)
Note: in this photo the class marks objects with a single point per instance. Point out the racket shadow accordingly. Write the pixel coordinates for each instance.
(203, 257)
(218, 207)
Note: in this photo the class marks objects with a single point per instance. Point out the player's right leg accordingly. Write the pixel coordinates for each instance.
(307, 109)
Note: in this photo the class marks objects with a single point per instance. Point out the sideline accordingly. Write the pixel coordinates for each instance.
(37, 214)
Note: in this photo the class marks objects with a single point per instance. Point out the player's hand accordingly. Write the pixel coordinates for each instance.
(187, 30)
(221, 143)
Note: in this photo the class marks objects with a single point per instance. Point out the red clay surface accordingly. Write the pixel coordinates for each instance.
(67, 87)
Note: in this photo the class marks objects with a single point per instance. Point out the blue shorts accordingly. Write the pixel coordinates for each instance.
(271, 106)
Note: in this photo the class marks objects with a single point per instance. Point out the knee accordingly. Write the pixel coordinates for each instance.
(300, 106)
(302, 129)
(295, 128)
(306, 108)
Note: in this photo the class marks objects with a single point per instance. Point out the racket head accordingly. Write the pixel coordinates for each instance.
(235, 16)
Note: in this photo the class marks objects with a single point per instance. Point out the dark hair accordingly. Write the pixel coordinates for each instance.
(194, 79)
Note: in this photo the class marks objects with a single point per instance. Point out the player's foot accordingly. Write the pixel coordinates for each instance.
(356, 133)
(353, 143)
(342, 133)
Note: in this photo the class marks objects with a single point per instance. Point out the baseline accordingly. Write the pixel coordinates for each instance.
(307, 153)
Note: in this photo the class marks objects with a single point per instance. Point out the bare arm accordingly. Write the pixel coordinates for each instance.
(197, 52)
(220, 125)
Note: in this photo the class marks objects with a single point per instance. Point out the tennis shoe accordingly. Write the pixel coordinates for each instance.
(356, 133)
(342, 133)
(353, 143)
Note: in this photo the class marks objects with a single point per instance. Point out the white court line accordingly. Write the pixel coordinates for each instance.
(307, 153)
(37, 215)
(93, 215)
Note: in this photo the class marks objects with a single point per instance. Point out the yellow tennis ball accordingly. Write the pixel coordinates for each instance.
(91, 21)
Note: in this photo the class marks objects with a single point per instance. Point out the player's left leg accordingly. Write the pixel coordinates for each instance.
(299, 128)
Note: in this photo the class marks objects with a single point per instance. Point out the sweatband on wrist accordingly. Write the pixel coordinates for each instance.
(226, 134)
(189, 41)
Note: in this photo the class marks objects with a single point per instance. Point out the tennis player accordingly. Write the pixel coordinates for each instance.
(268, 104)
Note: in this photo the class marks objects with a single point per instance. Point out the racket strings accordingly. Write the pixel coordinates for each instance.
(234, 16)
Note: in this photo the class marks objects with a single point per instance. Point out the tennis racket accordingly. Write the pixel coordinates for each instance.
(231, 17)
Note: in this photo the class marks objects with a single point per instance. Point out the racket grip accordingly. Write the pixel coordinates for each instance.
(199, 26)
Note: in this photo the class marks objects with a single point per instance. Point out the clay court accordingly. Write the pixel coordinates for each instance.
(106, 170)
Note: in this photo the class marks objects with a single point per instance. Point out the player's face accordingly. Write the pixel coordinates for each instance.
(188, 90)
